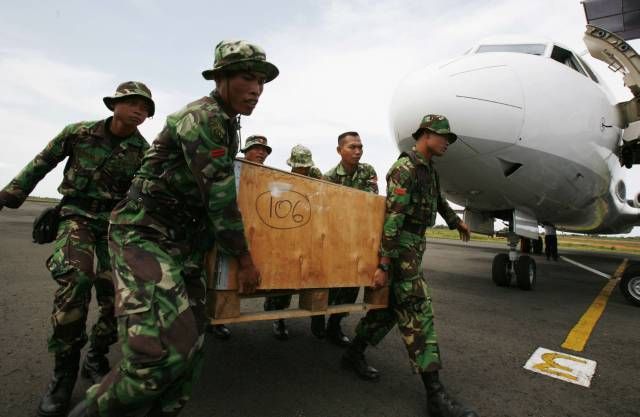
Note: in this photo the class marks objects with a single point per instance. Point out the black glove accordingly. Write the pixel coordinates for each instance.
(8, 200)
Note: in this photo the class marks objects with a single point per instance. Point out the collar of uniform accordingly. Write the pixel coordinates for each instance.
(420, 158)
(343, 173)
(101, 130)
(234, 121)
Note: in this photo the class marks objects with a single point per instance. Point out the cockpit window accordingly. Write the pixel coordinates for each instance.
(589, 71)
(527, 48)
(567, 58)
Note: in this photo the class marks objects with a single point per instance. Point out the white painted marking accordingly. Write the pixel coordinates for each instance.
(562, 366)
(278, 188)
(579, 265)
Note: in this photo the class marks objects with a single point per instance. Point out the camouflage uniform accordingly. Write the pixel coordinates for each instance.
(364, 178)
(186, 185)
(413, 200)
(300, 158)
(97, 175)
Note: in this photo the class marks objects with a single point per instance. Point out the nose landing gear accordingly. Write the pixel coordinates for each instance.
(506, 265)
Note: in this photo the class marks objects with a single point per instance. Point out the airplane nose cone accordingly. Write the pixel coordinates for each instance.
(483, 101)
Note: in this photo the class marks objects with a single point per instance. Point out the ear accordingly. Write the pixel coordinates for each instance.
(338, 149)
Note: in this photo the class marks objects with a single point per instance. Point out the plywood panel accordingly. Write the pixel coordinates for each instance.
(303, 232)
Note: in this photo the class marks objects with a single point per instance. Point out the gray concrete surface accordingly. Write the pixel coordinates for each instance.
(486, 335)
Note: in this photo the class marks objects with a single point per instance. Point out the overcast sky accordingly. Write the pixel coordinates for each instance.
(339, 63)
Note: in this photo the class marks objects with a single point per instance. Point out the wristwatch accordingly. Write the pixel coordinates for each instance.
(384, 267)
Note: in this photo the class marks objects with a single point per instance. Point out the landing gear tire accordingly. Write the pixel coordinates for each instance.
(630, 284)
(501, 270)
(526, 273)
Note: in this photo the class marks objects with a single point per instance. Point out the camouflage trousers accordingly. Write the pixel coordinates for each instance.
(410, 308)
(72, 267)
(161, 291)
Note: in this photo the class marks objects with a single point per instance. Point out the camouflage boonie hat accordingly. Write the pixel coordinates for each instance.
(240, 56)
(437, 124)
(254, 140)
(131, 88)
(300, 157)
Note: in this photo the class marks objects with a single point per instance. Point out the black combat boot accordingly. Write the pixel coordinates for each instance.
(353, 358)
(334, 331)
(280, 330)
(55, 401)
(80, 410)
(317, 327)
(95, 365)
(220, 331)
(439, 403)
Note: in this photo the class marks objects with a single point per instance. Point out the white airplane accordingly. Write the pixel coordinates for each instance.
(539, 141)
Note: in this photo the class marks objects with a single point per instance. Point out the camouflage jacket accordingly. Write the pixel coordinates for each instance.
(188, 178)
(314, 172)
(364, 178)
(100, 166)
(413, 199)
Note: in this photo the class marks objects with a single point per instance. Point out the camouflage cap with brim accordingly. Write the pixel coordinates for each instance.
(129, 89)
(240, 56)
(437, 124)
(256, 140)
(300, 157)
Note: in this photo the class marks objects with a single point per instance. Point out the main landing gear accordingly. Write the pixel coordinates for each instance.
(506, 265)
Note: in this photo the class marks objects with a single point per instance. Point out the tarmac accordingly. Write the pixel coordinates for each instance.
(486, 335)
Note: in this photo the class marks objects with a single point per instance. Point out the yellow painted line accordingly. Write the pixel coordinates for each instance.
(578, 336)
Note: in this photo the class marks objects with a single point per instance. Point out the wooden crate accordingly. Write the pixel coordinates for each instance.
(305, 236)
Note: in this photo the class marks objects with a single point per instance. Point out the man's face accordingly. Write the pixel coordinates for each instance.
(241, 91)
(350, 150)
(132, 110)
(301, 170)
(436, 144)
(257, 154)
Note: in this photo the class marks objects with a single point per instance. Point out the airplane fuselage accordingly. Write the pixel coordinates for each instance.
(535, 134)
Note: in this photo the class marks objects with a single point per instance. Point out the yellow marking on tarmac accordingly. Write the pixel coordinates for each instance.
(549, 365)
(578, 336)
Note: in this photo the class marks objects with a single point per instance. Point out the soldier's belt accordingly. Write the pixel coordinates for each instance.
(176, 220)
(415, 228)
(92, 205)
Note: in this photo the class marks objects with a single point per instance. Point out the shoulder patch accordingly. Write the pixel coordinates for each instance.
(400, 191)
(217, 153)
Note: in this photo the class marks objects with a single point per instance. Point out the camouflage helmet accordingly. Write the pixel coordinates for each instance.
(300, 157)
(437, 124)
(240, 56)
(254, 140)
(131, 88)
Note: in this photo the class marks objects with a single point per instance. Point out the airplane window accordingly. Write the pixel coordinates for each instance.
(589, 71)
(567, 58)
(533, 49)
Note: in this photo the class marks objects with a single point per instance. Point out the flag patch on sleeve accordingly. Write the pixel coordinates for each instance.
(217, 153)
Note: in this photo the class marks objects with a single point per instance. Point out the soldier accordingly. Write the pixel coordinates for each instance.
(103, 157)
(413, 199)
(255, 150)
(351, 173)
(185, 186)
(301, 162)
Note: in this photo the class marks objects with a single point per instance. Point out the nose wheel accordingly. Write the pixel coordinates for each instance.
(630, 284)
(505, 266)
